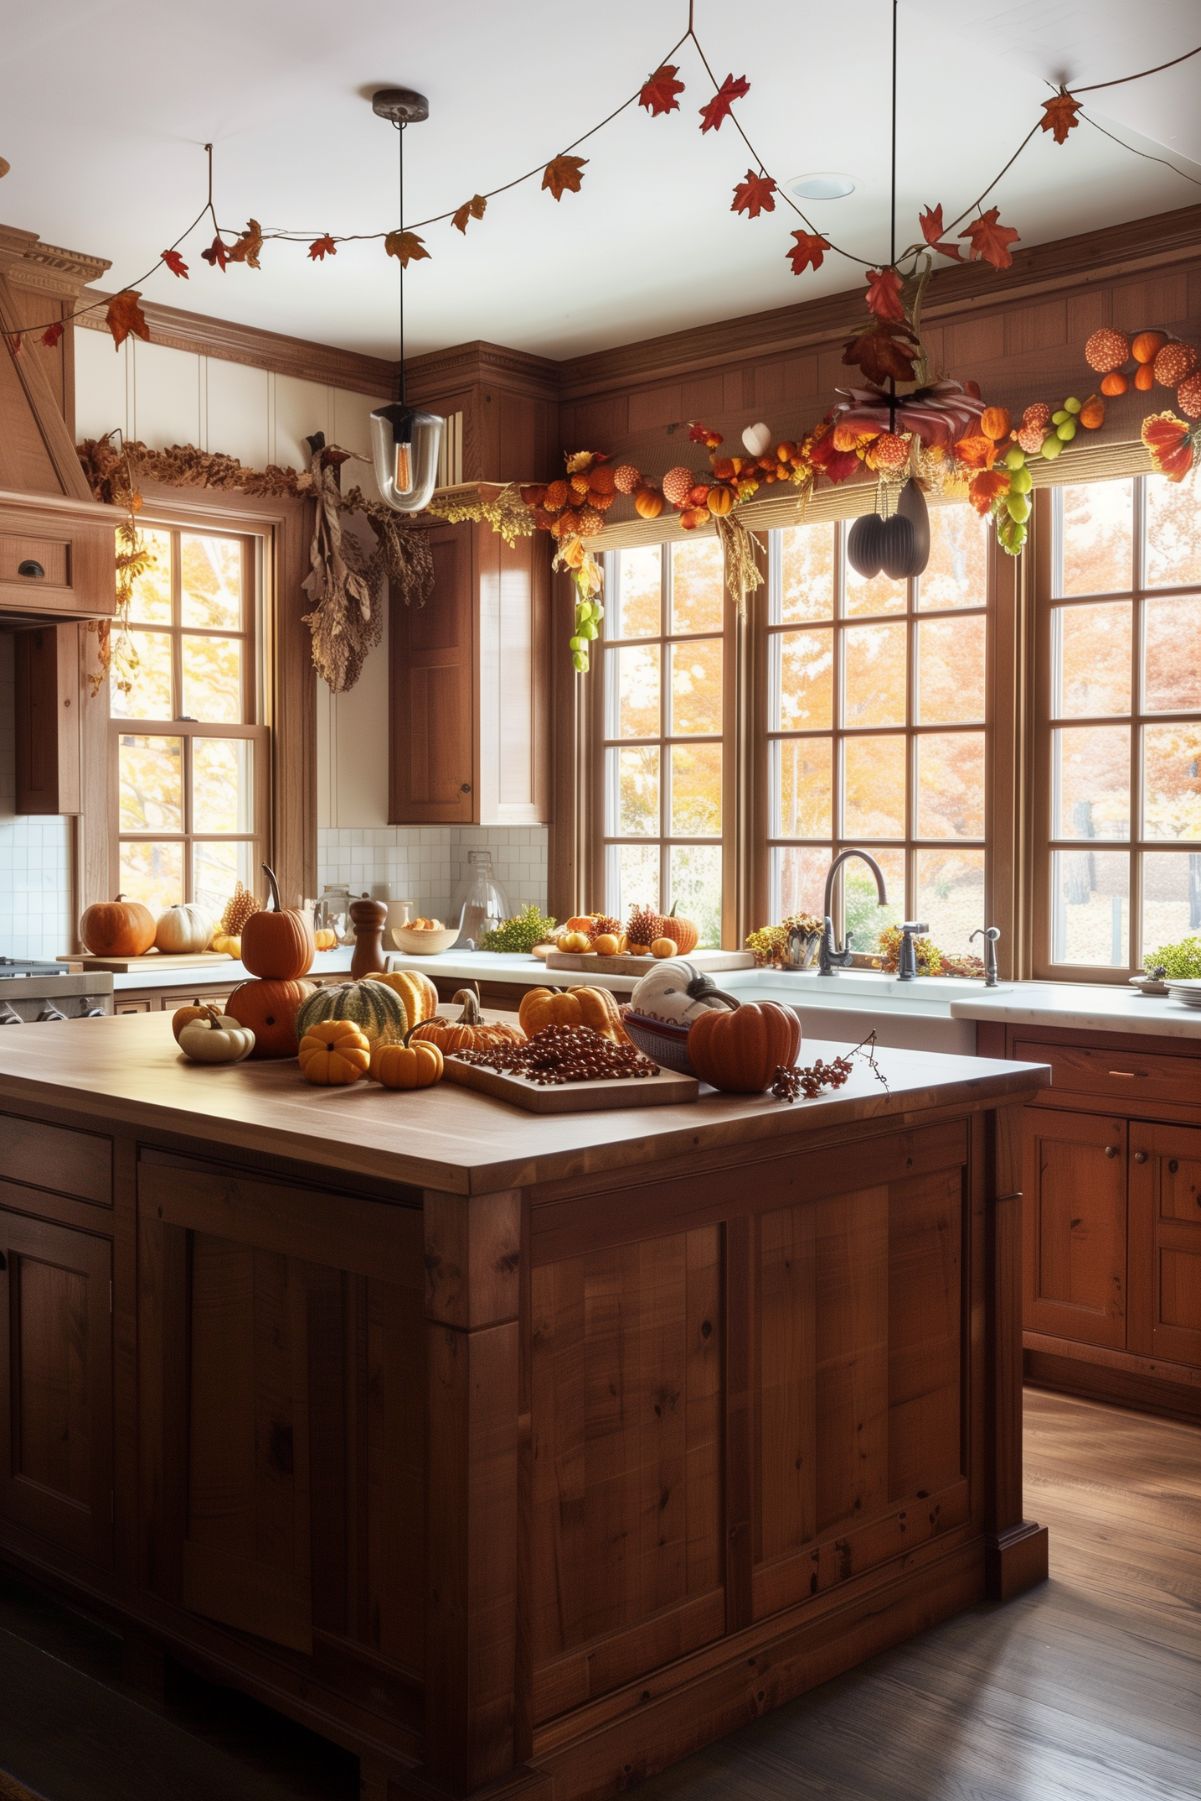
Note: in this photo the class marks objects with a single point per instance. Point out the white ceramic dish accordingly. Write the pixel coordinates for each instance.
(423, 944)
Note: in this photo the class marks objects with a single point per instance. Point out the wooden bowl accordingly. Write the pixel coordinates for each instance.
(423, 944)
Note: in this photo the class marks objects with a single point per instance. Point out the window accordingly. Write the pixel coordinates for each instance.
(876, 708)
(1118, 830)
(189, 756)
(663, 713)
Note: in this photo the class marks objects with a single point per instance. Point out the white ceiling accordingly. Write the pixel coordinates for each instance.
(108, 102)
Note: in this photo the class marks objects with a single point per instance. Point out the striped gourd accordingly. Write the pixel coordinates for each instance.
(375, 1009)
(415, 989)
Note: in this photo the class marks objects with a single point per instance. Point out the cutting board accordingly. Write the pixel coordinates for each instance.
(664, 1090)
(708, 961)
(146, 965)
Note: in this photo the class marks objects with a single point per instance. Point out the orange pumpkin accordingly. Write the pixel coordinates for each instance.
(1145, 346)
(1114, 383)
(470, 1032)
(325, 938)
(595, 1007)
(687, 936)
(406, 1065)
(334, 1053)
(719, 501)
(1092, 413)
(269, 1009)
(581, 922)
(278, 942)
(648, 503)
(1144, 377)
(118, 928)
(183, 1016)
(739, 1050)
(994, 423)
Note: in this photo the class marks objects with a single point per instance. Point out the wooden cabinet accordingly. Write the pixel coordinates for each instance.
(56, 1364)
(469, 686)
(57, 559)
(48, 710)
(1075, 1189)
(1165, 1275)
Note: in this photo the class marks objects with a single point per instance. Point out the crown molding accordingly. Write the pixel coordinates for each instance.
(482, 364)
(46, 268)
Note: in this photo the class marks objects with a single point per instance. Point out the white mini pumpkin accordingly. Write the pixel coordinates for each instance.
(677, 991)
(181, 930)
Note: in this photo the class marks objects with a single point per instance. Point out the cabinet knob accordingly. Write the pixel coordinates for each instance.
(1140, 1156)
(1173, 1167)
(1111, 1150)
(464, 787)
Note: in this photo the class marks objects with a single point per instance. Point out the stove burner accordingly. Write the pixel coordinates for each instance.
(29, 966)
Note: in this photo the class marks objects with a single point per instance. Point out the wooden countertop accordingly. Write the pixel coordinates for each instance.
(128, 1071)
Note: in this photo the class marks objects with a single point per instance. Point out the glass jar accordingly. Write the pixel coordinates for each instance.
(333, 914)
(483, 901)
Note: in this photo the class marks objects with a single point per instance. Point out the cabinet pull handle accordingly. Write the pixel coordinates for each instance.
(1140, 1156)
(1173, 1167)
(1127, 1075)
(1111, 1150)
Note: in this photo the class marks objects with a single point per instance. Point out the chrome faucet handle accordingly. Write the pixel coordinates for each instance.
(907, 958)
(990, 935)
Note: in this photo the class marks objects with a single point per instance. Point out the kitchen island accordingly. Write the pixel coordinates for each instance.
(519, 1454)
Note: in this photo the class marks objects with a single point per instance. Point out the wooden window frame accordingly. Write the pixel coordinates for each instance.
(1135, 846)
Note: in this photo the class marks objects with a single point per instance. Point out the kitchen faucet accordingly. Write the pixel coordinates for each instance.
(990, 934)
(831, 958)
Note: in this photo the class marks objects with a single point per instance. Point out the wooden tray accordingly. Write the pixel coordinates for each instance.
(708, 961)
(147, 964)
(664, 1090)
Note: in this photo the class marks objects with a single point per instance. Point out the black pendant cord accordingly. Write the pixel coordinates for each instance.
(892, 233)
(400, 187)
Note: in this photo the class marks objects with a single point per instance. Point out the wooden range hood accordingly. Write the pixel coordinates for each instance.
(56, 542)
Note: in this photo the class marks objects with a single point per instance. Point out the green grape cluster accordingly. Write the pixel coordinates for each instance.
(588, 615)
(1011, 510)
(521, 933)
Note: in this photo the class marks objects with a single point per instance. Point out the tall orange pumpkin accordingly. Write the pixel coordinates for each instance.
(738, 1051)
(278, 942)
(269, 1008)
(119, 928)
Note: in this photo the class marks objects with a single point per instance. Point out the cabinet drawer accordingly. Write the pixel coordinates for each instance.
(76, 557)
(1124, 1078)
(58, 1158)
(52, 554)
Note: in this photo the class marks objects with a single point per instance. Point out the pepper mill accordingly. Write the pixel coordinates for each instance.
(368, 918)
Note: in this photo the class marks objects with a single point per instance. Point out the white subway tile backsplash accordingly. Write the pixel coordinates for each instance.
(428, 864)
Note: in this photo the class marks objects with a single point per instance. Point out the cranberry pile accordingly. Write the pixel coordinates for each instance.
(793, 1082)
(559, 1054)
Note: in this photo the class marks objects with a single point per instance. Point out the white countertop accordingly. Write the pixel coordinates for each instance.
(475, 966)
(1082, 1007)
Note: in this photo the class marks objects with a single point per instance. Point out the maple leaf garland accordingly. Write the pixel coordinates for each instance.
(658, 91)
(933, 229)
(470, 209)
(720, 107)
(884, 349)
(322, 247)
(754, 195)
(884, 294)
(406, 247)
(563, 175)
(990, 240)
(246, 249)
(124, 315)
(51, 336)
(1059, 115)
(808, 251)
(174, 261)
(216, 255)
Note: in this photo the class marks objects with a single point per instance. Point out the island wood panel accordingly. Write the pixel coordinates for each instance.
(1075, 1213)
(626, 1514)
(1165, 1227)
(56, 1369)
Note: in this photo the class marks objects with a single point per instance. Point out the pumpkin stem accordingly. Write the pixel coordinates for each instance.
(704, 988)
(214, 1017)
(273, 902)
(472, 1014)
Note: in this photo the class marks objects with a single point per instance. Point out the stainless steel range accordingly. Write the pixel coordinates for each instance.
(34, 993)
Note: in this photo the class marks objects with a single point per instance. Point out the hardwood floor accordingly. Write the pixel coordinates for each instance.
(1087, 1689)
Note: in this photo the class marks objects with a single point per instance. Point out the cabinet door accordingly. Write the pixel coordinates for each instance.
(47, 718)
(56, 1384)
(432, 685)
(1165, 1242)
(1075, 1222)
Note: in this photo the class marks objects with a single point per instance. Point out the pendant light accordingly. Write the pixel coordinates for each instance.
(898, 545)
(405, 442)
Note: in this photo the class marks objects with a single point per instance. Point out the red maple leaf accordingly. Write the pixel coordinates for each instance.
(884, 294)
(808, 251)
(932, 230)
(470, 209)
(322, 247)
(883, 349)
(984, 488)
(216, 255)
(563, 175)
(714, 111)
(174, 261)
(754, 195)
(658, 91)
(51, 335)
(990, 239)
(1059, 115)
(124, 315)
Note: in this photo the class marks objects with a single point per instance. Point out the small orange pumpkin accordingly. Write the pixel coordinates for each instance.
(183, 1016)
(470, 1032)
(994, 423)
(1144, 377)
(119, 928)
(648, 503)
(1145, 346)
(334, 1053)
(416, 1065)
(687, 935)
(1092, 413)
(277, 941)
(738, 1050)
(719, 501)
(325, 938)
(581, 922)
(1115, 383)
(595, 1007)
(269, 1009)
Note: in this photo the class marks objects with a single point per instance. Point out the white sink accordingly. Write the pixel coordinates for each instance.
(904, 1015)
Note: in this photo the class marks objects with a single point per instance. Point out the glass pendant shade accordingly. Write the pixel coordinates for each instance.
(405, 445)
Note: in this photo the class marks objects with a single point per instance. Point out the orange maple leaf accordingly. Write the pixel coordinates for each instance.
(1059, 115)
(246, 248)
(125, 315)
(174, 261)
(470, 209)
(754, 195)
(1169, 444)
(51, 335)
(658, 91)
(217, 253)
(991, 240)
(714, 111)
(884, 294)
(322, 247)
(563, 175)
(984, 488)
(977, 451)
(808, 251)
(932, 230)
(882, 350)
(406, 247)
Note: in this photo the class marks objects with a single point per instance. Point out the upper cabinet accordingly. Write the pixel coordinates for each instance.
(469, 673)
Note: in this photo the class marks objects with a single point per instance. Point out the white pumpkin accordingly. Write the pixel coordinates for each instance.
(677, 991)
(757, 439)
(181, 930)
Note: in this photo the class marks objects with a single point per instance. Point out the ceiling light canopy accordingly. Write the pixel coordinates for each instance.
(824, 184)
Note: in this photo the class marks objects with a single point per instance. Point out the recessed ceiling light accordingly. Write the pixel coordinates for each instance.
(826, 184)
